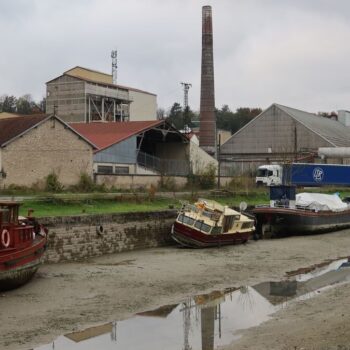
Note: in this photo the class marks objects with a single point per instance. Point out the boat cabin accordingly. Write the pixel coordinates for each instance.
(13, 233)
(213, 218)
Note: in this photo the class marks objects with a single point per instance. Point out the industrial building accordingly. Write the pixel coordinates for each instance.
(137, 153)
(34, 146)
(281, 134)
(85, 95)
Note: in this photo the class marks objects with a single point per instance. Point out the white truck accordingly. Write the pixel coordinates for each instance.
(269, 175)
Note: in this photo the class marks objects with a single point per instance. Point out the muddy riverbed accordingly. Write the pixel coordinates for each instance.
(101, 296)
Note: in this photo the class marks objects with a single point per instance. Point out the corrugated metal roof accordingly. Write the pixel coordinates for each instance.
(97, 77)
(104, 135)
(12, 127)
(331, 130)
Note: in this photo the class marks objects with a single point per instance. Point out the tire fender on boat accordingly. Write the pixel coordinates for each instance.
(5, 238)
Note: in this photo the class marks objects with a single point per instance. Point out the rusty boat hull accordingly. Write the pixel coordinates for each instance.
(18, 266)
(192, 238)
(279, 222)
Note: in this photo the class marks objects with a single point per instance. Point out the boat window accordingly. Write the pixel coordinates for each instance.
(216, 230)
(5, 216)
(185, 219)
(202, 226)
(208, 214)
(247, 224)
(188, 221)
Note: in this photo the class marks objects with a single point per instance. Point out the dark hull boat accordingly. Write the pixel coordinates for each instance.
(286, 221)
(208, 224)
(22, 245)
(304, 213)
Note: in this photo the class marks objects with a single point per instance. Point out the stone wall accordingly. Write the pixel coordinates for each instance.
(46, 148)
(79, 237)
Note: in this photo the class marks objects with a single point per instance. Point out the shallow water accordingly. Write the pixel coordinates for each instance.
(204, 322)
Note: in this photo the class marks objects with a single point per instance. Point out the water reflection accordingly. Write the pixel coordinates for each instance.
(204, 322)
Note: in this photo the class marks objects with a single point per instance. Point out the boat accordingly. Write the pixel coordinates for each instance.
(207, 223)
(22, 245)
(305, 213)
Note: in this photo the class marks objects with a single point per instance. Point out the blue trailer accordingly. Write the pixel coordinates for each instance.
(305, 174)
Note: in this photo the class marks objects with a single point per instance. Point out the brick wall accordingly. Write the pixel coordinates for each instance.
(80, 237)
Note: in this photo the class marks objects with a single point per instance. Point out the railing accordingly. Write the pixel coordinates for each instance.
(163, 166)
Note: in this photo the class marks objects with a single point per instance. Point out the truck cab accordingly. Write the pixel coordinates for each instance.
(269, 175)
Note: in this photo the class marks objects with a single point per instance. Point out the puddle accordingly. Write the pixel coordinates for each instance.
(204, 322)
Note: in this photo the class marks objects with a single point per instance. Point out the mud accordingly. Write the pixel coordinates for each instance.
(65, 298)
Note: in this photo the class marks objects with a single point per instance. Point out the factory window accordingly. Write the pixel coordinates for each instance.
(105, 169)
(121, 170)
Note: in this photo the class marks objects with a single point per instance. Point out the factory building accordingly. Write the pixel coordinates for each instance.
(85, 95)
(35, 146)
(282, 134)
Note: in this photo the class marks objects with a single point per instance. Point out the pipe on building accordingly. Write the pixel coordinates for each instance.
(334, 152)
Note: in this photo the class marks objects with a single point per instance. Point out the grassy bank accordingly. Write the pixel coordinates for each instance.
(96, 204)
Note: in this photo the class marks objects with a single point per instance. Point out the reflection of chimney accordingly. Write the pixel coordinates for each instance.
(208, 327)
(207, 105)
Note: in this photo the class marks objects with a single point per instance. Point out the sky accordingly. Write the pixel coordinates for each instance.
(292, 52)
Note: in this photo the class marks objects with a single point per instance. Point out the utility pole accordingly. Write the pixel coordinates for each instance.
(186, 87)
(218, 158)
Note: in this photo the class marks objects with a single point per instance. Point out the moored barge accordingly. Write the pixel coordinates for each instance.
(304, 213)
(22, 245)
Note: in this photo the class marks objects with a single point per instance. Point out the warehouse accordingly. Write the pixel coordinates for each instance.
(85, 95)
(34, 146)
(281, 134)
(138, 153)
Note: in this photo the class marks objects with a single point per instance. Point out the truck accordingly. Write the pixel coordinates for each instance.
(269, 175)
(304, 174)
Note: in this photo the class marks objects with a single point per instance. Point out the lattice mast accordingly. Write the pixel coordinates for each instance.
(186, 87)
(114, 56)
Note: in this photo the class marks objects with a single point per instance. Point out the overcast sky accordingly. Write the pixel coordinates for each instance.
(293, 52)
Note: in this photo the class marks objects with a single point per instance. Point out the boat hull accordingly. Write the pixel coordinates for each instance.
(286, 221)
(192, 238)
(17, 267)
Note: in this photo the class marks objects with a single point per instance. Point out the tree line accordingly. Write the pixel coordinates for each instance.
(226, 119)
(21, 105)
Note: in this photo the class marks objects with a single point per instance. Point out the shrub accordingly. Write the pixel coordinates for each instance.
(52, 184)
(205, 179)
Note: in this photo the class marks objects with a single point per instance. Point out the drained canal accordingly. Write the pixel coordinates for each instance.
(208, 321)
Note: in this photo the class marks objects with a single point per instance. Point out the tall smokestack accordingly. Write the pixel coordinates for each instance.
(207, 134)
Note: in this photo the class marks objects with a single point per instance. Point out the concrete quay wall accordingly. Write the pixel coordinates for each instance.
(74, 238)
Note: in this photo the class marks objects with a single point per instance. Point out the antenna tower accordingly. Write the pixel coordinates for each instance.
(186, 87)
(114, 56)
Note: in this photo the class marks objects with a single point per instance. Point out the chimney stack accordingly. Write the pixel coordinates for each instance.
(207, 134)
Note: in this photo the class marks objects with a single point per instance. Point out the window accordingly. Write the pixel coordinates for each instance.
(247, 224)
(105, 169)
(185, 219)
(216, 230)
(121, 170)
(202, 226)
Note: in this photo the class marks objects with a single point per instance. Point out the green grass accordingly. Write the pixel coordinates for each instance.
(67, 206)
(59, 208)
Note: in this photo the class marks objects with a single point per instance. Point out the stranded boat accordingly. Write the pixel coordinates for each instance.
(22, 244)
(304, 213)
(208, 223)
